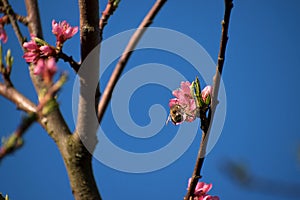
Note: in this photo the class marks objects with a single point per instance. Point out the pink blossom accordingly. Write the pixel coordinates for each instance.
(32, 53)
(39, 68)
(30, 57)
(3, 35)
(35, 51)
(184, 95)
(209, 197)
(201, 190)
(45, 68)
(47, 50)
(63, 31)
(206, 93)
(184, 103)
(31, 45)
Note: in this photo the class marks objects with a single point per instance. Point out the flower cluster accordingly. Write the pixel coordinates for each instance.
(184, 106)
(46, 68)
(201, 191)
(63, 31)
(3, 35)
(37, 49)
(42, 55)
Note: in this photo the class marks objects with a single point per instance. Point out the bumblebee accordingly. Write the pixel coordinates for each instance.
(176, 114)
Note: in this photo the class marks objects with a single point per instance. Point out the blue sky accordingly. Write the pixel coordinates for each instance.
(261, 127)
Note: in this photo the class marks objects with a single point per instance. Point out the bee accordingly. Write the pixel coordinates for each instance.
(176, 114)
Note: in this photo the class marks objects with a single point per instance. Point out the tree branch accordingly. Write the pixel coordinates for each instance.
(17, 98)
(15, 141)
(110, 8)
(125, 57)
(90, 39)
(70, 60)
(33, 13)
(20, 18)
(216, 84)
(78, 157)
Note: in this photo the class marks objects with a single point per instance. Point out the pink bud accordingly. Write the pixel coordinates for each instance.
(47, 50)
(206, 92)
(31, 45)
(3, 35)
(45, 68)
(51, 66)
(39, 68)
(31, 57)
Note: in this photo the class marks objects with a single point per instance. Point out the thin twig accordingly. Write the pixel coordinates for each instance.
(70, 60)
(12, 18)
(20, 18)
(110, 8)
(125, 56)
(216, 84)
(15, 141)
(6, 76)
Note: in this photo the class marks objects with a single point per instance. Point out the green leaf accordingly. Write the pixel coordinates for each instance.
(208, 99)
(197, 92)
(40, 42)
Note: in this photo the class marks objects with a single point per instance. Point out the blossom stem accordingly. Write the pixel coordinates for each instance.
(216, 83)
(70, 60)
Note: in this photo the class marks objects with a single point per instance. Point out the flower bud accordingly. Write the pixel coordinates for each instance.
(206, 94)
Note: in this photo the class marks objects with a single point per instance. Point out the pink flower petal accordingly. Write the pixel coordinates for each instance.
(51, 66)
(201, 191)
(30, 46)
(39, 68)
(209, 197)
(185, 87)
(3, 35)
(46, 50)
(30, 57)
(173, 102)
(206, 92)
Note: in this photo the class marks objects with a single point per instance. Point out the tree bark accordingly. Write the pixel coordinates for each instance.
(76, 157)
